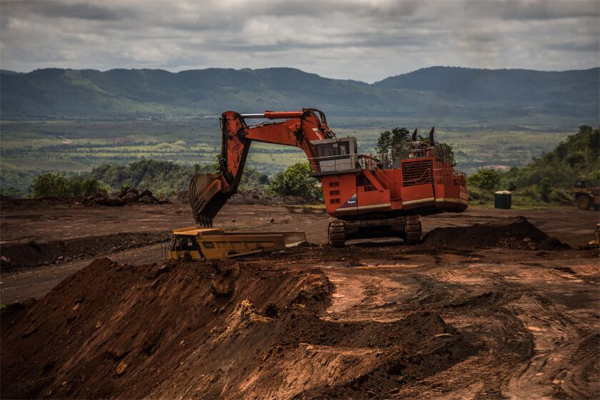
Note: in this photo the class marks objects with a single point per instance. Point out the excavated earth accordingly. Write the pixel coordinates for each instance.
(506, 313)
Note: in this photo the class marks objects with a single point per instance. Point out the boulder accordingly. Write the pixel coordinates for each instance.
(114, 201)
(130, 197)
(147, 199)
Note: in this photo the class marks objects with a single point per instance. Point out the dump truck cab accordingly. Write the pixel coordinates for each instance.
(184, 246)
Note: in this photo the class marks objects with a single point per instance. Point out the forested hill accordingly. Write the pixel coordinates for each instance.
(548, 178)
(578, 157)
(444, 94)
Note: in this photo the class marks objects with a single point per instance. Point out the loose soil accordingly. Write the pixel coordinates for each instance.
(513, 233)
(33, 254)
(486, 319)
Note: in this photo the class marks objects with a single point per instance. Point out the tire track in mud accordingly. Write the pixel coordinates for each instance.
(528, 347)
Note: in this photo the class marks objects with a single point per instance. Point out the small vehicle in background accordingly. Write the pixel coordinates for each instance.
(586, 196)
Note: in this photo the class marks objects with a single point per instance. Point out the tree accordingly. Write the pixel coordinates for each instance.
(296, 181)
(392, 141)
(487, 179)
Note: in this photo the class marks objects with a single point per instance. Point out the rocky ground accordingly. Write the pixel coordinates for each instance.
(489, 307)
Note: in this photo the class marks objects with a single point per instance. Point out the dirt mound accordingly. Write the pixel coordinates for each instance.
(211, 330)
(33, 254)
(514, 233)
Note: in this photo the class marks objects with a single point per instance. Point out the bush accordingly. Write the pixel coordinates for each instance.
(561, 196)
(486, 179)
(296, 181)
(56, 185)
(479, 196)
(50, 185)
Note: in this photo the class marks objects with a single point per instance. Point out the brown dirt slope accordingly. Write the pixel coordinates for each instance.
(211, 330)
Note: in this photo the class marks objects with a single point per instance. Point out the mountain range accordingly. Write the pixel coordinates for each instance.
(444, 94)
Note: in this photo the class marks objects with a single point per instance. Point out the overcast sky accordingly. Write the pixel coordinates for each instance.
(366, 40)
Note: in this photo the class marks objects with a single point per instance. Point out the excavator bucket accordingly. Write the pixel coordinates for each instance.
(206, 197)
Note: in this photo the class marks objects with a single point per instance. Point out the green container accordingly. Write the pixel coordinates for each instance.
(503, 199)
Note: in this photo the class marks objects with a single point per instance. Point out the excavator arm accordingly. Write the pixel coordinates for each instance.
(209, 192)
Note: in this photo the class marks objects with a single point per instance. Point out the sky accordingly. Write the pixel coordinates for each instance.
(366, 40)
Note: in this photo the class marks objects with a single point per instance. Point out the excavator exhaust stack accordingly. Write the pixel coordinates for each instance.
(207, 197)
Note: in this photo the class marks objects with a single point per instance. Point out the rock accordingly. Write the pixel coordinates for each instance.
(114, 201)
(307, 244)
(147, 199)
(88, 200)
(121, 368)
(146, 193)
(132, 190)
(130, 197)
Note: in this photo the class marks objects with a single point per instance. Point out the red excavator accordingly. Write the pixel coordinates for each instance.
(367, 196)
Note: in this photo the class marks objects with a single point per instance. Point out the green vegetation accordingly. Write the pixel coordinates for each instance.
(164, 177)
(75, 147)
(548, 178)
(390, 141)
(486, 179)
(297, 181)
(56, 185)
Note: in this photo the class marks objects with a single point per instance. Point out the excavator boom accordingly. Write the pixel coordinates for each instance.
(209, 192)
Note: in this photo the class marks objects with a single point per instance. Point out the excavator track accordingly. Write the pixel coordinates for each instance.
(337, 233)
(413, 229)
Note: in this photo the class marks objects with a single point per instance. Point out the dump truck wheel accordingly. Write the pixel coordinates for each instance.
(413, 230)
(337, 233)
(584, 202)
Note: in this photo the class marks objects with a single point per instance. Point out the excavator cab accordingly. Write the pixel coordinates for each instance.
(336, 155)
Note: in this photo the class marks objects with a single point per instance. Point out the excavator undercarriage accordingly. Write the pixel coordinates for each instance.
(406, 228)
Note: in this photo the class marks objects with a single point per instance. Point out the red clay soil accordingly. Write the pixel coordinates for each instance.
(211, 330)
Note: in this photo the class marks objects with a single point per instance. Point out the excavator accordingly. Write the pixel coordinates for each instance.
(366, 196)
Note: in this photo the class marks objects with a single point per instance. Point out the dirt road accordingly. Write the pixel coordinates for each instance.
(63, 222)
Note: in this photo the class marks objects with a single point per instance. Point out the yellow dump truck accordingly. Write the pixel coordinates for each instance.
(586, 196)
(215, 244)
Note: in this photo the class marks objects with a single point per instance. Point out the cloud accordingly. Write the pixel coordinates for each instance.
(358, 39)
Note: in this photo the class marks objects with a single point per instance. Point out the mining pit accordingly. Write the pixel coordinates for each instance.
(493, 304)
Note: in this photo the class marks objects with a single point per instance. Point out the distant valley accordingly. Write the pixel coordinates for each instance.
(70, 121)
